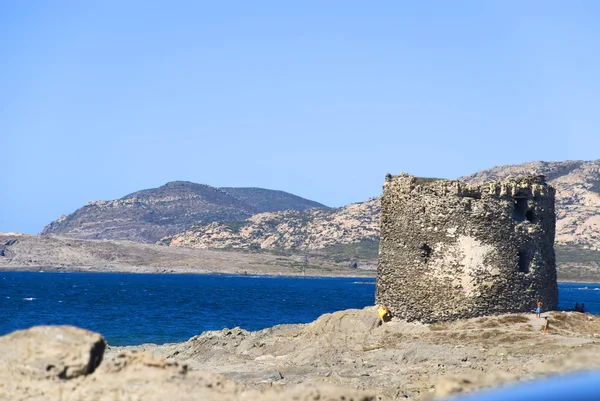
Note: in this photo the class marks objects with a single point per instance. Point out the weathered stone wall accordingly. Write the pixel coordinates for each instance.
(450, 250)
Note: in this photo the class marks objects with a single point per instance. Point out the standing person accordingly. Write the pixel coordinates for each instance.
(576, 306)
(538, 310)
(582, 309)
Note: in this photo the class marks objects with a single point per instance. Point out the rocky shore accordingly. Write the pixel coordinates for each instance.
(341, 356)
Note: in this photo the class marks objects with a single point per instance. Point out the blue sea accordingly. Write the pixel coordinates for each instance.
(571, 293)
(130, 309)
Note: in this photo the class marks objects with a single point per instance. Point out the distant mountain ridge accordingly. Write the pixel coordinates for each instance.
(577, 186)
(151, 214)
(200, 216)
(270, 200)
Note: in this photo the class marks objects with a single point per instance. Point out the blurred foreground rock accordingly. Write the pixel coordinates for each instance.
(61, 363)
(346, 355)
(49, 352)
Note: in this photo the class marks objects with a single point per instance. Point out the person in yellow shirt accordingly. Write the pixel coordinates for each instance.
(384, 314)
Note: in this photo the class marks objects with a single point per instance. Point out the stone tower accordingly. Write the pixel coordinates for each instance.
(451, 250)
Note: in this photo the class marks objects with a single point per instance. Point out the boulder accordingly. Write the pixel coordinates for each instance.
(50, 352)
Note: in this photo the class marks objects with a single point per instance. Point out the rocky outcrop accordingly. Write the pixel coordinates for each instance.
(452, 250)
(148, 215)
(61, 363)
(344, 355)
(4, 247)
(299, 230)
(397, 360)
(50, 352)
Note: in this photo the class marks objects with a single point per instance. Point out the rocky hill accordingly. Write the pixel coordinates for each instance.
(577, 186)
(149, 215)
(183, 214)
(299, 230)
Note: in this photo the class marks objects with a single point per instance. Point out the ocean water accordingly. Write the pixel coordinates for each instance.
(130, 309)
(587, 293)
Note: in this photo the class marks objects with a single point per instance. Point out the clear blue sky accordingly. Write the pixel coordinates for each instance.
(99, 99)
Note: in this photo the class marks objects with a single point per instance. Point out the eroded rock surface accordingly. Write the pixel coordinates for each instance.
(63, 363)
(341, 356)
(396, 361)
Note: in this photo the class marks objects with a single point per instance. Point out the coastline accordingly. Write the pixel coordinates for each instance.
(187, 270)
(62, 254)
(310, 272)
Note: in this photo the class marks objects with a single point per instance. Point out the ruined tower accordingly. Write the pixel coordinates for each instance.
(452, 250)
